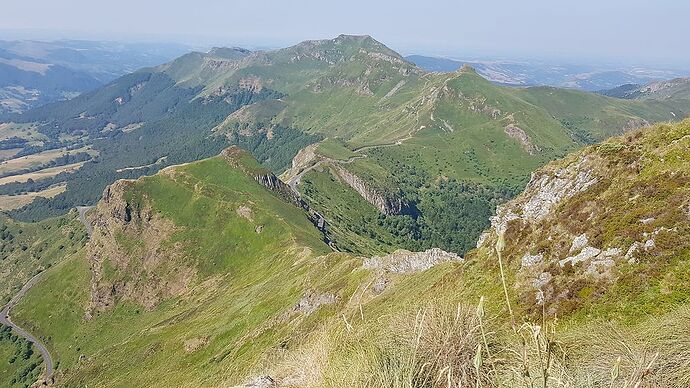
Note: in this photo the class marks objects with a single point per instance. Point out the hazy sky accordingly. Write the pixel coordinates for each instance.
(638, 31)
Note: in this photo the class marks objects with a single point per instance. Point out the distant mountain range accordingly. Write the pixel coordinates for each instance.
(365, 228)
(377, 142)
(583, 77)
(33, 73)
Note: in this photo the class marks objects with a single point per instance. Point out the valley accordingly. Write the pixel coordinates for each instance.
(312, 308)
(330, 214)
(417, 132)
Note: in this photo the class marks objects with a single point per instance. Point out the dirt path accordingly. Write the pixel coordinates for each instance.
(5, 319)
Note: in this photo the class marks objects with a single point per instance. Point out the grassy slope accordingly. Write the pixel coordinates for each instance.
(240, 301)
(641, 176)
(30, 248)
(246, 282)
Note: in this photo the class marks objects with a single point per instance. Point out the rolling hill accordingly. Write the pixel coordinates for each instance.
(675, 92)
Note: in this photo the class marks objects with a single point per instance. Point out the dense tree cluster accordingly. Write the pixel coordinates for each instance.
(12, 142)
(27, 364)
(450, 215)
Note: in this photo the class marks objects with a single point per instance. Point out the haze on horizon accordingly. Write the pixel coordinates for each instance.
(620, 31)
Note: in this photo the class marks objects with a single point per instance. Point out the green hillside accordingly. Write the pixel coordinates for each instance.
(201, 276)
(216, 241)
(29, 248)
(409, 139)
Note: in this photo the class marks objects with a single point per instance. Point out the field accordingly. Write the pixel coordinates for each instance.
(11, 202)
(21, 130)
(41, 174)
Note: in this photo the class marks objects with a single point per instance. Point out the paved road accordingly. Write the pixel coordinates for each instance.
(82, 217)
(5, 312)
(5, 319)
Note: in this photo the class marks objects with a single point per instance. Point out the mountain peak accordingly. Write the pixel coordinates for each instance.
(229, 52)
(350, 37)
(467, 69)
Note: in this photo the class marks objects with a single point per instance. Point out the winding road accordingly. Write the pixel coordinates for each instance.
(5, 312)
(82, 217)
(5, 320)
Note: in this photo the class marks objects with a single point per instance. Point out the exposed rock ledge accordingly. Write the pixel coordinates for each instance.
(403, 261)
(545, 191)
(522, 137)
(386, 203)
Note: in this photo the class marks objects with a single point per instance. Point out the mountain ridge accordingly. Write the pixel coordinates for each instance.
(310, 310)
(423, 138)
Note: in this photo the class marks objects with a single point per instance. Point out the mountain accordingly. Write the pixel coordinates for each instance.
(211, 273)
(34, 73)
(378, 146)
(675, 92)
(533, 73)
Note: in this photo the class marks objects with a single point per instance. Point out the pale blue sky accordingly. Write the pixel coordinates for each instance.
(638, 31)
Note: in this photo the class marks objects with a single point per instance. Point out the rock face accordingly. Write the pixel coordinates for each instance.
(521, 136)
(545, 191)
(403, 261)
(126, 255)
(386, 203)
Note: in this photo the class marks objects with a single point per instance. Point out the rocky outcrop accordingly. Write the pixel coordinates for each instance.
(261, 382)
(386, 203)
(545, 191)
(403, 261)
(128, 255)
(311, 301)
(517, 133)
(608, 214)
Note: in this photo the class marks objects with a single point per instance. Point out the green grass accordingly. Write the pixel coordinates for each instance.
(29, 248)
(246, 281)
(240, 309)
(334, 149)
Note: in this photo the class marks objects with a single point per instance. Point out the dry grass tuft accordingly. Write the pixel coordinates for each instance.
(653, 354)
(433, 347)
